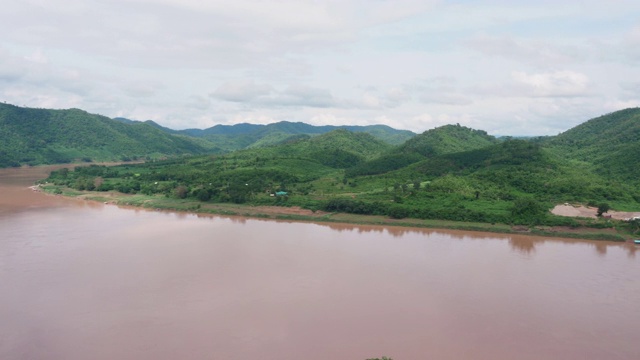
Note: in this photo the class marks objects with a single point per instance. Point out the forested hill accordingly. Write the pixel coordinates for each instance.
(448, 173)
(601, 136)
(447, 139)
(42, 136)
(336, 149)
(439, 141)
(240, 136)
(610, 142)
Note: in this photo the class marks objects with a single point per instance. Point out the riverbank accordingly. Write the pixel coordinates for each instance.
(162, 203)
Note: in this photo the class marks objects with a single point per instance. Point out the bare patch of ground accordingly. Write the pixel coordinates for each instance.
(580, 230)
(278, 210)
(590, 212)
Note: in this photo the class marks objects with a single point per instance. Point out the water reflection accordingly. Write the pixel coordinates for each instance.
(524, 245)
(521, 244)
(601, 248)
(83, 280)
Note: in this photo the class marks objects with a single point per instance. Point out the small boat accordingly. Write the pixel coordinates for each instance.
(636, 242)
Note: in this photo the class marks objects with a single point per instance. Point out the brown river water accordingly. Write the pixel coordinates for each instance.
(82, 280)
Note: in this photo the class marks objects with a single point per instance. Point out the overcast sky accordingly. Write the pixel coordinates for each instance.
(530, 67)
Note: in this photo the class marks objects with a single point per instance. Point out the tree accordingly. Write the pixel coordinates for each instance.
(181, 192)
(98, 181)
(634, 225)
(203, 195)
(526, 210)
(603, 208)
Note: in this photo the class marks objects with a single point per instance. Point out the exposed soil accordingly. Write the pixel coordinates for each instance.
(272, 210)
(590, 212)
(580, 230)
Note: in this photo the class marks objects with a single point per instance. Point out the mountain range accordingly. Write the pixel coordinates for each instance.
(451, 172)
(33, 136)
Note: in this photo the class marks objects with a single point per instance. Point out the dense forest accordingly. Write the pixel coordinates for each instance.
(449, 173)
(43, 136)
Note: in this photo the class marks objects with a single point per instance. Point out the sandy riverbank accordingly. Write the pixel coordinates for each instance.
(590, 212)
(161, 203)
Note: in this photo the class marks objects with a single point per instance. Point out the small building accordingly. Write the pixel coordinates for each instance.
(281, 193)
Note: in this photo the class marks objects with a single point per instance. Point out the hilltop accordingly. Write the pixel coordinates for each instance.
(439, 141)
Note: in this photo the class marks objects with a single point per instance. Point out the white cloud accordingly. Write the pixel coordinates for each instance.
(242, 91)
(536, 52)
(411, 63)
(37, 57)
(429, 121)
(555, 84)
(198, 102)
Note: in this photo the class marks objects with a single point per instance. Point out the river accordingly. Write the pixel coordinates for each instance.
(84, 280)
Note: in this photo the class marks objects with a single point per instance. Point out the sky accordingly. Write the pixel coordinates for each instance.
(530, 67)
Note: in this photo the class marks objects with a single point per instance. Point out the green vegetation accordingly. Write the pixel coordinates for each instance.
(450, 173)
(603, 208)
(41, 136)
(445, 140)
(609, 143)
(242, 136)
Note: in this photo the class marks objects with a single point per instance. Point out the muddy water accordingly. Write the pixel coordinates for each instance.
(81, 280)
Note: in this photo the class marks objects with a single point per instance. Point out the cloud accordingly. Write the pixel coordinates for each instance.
(614, 105)
(442, 90)
(140, 89)
(373, 98)
(630, 45)
(190, 62)
(429, 121)
(554, 84)
(198, 102)
(251, 93)
(540, 53)
(242, 91)
(220, 34)
(302, 95)
(11, 68)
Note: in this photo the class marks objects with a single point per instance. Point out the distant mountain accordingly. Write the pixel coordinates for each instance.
(442, 140)
(148, 122)
(244, 135)
(237, 129)
(336, 149)
(41, 136)
(240, 136)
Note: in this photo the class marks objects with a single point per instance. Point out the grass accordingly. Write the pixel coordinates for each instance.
(164, 203)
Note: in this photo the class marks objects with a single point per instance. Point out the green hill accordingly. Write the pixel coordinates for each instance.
(241, 136)
(446, 139)
(41, 136)
(337, 149)
(442, 140)
(448, 173)
(609, 142)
